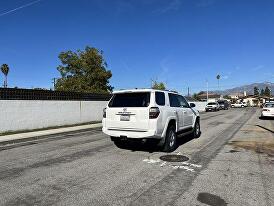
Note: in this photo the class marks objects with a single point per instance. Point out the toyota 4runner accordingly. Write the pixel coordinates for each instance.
(150, 114)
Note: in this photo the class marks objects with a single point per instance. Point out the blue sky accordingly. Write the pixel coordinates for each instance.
(181, 42)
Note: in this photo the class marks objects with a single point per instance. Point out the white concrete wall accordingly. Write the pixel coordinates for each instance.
(200, 106)
(32, 114)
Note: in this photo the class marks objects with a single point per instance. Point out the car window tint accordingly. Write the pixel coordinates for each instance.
(160, 98)
(183, 102)
(173, 100)
(134, 99)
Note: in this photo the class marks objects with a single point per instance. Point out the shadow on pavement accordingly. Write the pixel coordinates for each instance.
(265, 128)
(266, 118)
(150, 145)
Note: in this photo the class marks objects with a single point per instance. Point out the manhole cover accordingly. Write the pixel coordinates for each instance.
(174, 158)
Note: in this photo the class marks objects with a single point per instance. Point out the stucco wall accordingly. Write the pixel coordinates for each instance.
(200, 106)
(32, 114)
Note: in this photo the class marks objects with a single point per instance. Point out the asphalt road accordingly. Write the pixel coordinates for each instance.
(85, 168)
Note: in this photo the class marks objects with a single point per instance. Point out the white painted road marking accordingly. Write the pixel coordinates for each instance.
(181, 165)
(151, 161)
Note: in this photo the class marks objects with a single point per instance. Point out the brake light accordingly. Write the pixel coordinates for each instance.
(266, 110)
(154, 112)
(104, 112)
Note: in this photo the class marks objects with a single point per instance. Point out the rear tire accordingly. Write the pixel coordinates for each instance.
(171, 139)
(120, 143)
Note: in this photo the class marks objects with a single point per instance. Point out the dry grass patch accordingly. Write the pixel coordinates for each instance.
(258, 145)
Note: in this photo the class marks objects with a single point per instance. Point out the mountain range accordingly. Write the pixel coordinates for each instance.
(249, 88)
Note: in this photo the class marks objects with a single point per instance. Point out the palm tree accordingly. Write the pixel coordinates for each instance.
(5, 70)
(218, 78)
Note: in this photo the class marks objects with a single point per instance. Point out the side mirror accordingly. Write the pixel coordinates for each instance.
(192, 105)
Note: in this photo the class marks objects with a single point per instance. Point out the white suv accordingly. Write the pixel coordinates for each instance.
(150, 114)
(212, 106)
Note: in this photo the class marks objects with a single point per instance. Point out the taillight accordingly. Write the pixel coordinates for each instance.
(266, 110)
(154, 112)
(104, 112)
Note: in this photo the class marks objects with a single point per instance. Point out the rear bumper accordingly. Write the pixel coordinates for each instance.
(131, 134)
(211, 109)
(267, 114)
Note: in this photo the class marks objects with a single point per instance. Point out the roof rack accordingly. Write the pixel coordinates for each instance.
(168, 90)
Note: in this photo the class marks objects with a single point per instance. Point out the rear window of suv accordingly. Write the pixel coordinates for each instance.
(269, 105)
(212, 103)
(134, 99)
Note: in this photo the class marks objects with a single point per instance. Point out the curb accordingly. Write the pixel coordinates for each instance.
(30, 136)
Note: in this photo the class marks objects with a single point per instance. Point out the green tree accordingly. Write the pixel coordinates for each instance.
(5, 70)
(256, 91)
(267, 92)
(262, 92)
(226, 97)
(158, 85)
(196, 96)
(83, 71)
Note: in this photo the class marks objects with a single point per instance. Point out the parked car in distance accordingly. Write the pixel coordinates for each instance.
(224, 104)
(245, 104)
(238, 105)
(142, 114)
(268, 110)
(212, 106)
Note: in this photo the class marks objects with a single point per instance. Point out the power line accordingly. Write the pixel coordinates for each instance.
(216, 87)
(20, 7)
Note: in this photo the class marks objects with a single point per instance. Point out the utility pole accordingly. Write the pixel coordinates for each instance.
(206, 90)
(188, 91)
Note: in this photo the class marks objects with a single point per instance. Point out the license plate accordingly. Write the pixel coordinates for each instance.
(124, 118)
